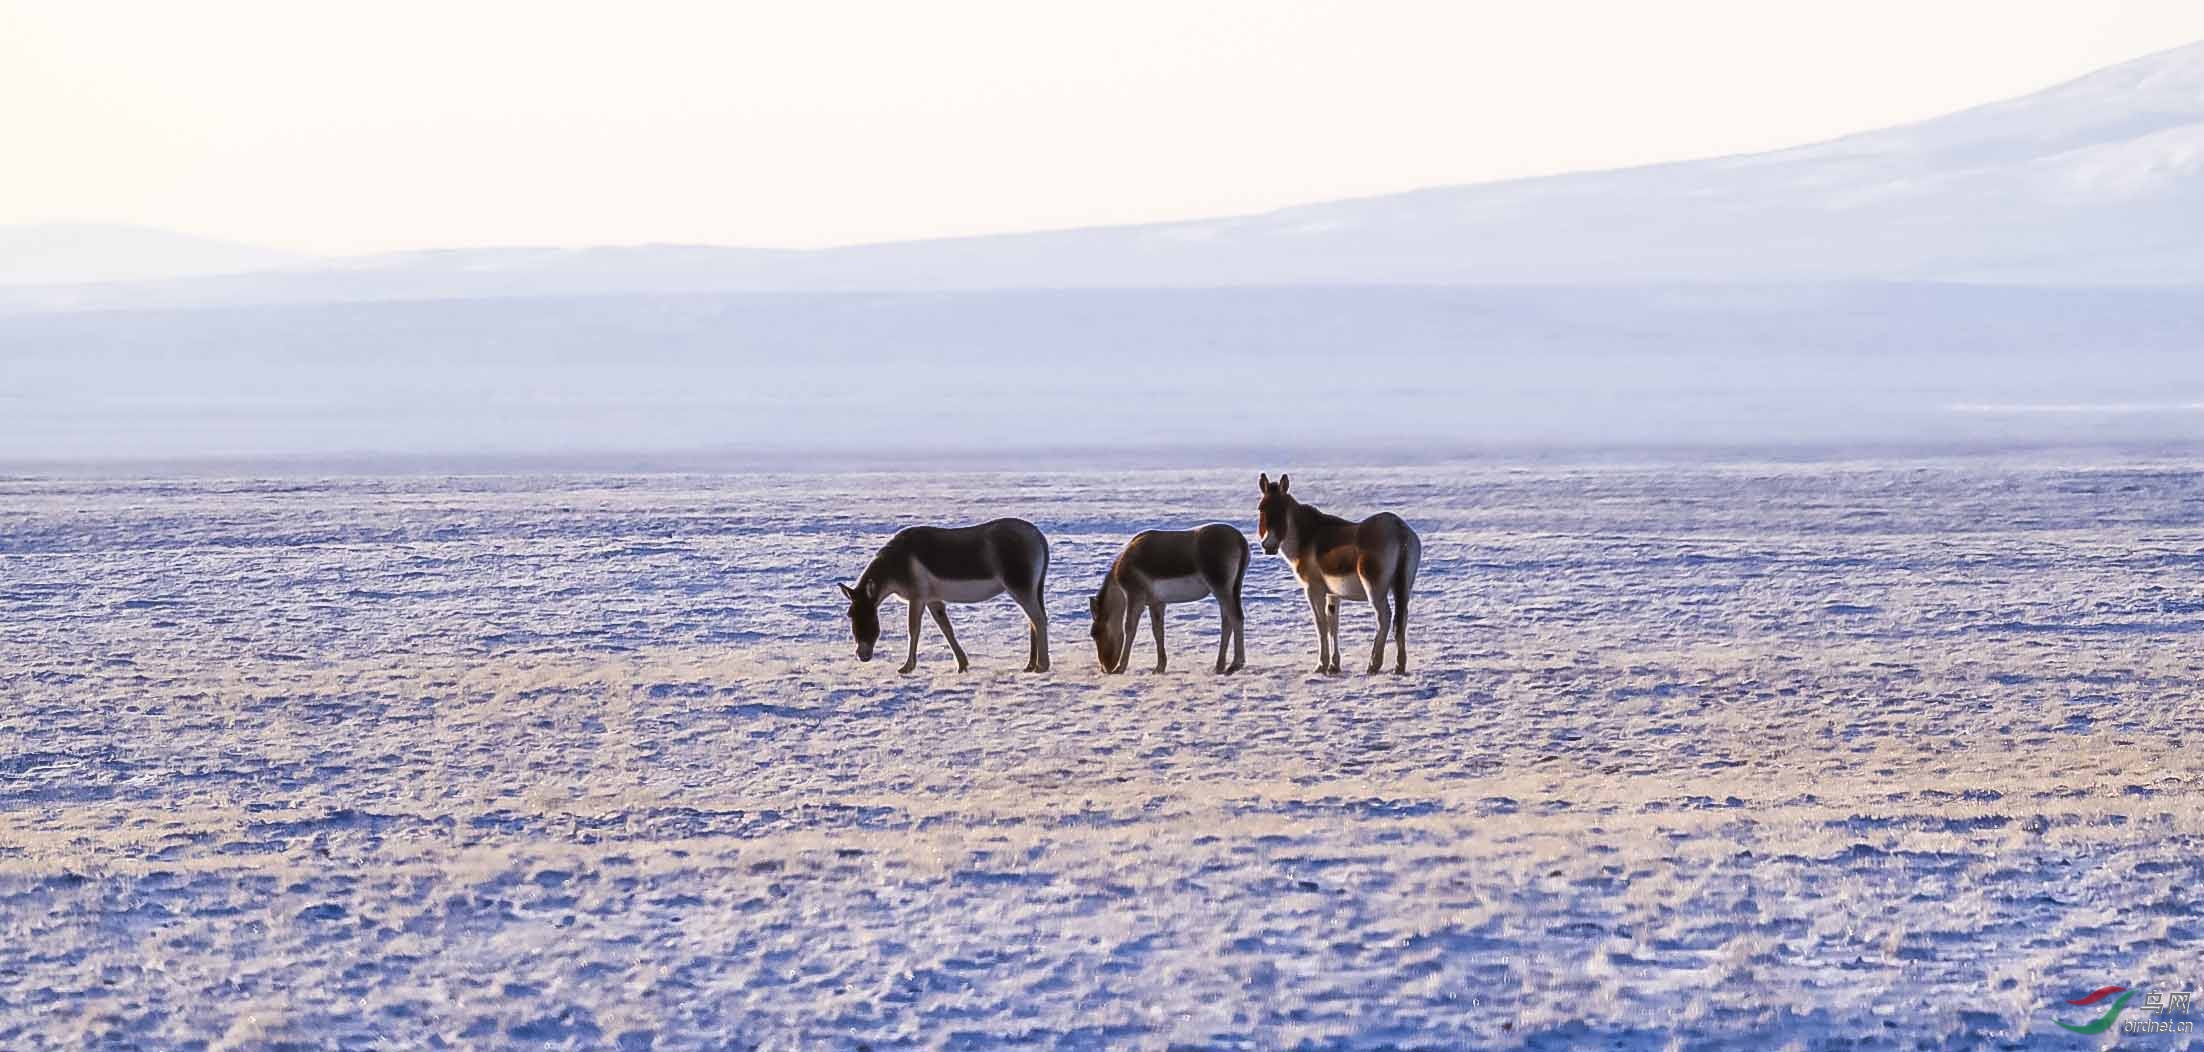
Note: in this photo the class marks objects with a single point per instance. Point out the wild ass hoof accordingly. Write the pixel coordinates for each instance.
(906, 670)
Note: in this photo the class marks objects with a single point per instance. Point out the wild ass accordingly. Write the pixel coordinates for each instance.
(1171, 566)
(931, 566)
(1373, 559)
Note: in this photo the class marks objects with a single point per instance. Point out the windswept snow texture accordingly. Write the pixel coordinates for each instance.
(1691, 756)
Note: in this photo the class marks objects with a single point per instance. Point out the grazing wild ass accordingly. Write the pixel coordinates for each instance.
(1171, 566)
(1375, 559)
(930, 567)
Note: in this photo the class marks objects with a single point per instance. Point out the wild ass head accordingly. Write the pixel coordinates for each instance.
(864, 615)
(1273, 513)
(1109, 625)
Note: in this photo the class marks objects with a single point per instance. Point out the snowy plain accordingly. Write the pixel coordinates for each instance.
(1853, 754)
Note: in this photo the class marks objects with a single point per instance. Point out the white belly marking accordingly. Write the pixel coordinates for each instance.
(1179, 589)
(1345, 587)
(950, 591)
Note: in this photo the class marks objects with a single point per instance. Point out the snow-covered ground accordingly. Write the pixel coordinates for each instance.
(1873, 755)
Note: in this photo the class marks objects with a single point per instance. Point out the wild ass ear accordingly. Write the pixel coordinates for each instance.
(1264, 481)
(1283, 482)
(847, 591)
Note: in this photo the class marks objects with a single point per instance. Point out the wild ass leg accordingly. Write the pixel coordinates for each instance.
(1323, 634)
(1378, 597)
(1239, 641)
(1224, 628)
(1324, 614)
(1037, 618)
(941, 617)
(1236, 621)
(1226, 587)
(1155, 618)
(917, 610)
(1128, 634)
(1400, 627)
(1331, 629)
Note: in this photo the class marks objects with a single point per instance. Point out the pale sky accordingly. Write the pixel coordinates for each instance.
(355, 127)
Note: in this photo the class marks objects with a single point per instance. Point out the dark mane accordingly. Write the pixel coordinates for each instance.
(875, 570)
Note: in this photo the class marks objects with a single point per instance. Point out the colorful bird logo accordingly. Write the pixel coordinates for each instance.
(2104, 1022)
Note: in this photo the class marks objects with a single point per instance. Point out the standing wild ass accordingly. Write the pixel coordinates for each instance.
(1374, 559)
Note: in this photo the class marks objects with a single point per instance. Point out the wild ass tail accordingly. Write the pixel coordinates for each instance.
(1404, 576)
(1239, 577)
(1040, 585)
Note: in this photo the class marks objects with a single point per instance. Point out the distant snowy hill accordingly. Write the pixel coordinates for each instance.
(2099, 181)
(58, 253)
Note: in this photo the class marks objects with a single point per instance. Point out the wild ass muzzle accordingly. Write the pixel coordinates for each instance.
(1159, 567)
(1375, 559)
(930, 567)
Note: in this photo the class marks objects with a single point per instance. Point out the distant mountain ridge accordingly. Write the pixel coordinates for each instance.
(2098, 181)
